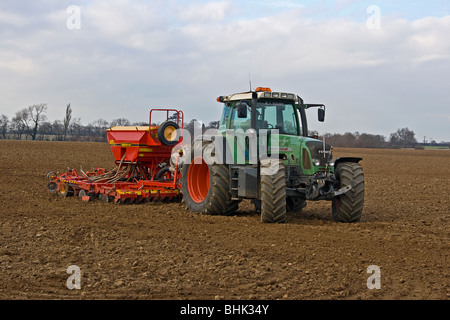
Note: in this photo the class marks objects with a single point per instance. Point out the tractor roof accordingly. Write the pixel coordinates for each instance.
(263, 93)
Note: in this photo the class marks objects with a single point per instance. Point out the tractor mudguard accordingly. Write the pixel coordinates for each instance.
(346, 159)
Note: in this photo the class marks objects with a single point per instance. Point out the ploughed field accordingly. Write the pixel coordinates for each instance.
(162, 251)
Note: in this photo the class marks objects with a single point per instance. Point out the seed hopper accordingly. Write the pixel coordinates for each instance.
(145, 168)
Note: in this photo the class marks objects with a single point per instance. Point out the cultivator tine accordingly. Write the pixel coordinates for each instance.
(84, 173)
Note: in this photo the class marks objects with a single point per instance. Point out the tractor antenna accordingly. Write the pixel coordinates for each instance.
(250, 81)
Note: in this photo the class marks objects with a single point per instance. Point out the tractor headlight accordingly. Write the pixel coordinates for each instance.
(316, 162)
(331, 161)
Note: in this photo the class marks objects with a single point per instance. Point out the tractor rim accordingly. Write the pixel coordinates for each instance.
(198, 180)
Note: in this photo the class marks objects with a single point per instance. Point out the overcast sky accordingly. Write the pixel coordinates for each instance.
(377, 65)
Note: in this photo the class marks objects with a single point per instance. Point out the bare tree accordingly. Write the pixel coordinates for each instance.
(67, 120)
(213, 125)
(173, 117)
(31, 118)
(192, 127)
(58, 129)
(17, 128)
(121, 122)
(97, 128)
(46, 130)
(4, 122)
(76, 128)
(140, 124)
(37, 116)
(403, 138)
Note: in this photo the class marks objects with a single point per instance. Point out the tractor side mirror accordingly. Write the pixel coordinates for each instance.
(321, 114)
(242, 110)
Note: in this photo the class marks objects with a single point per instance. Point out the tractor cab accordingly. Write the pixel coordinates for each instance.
(264, 109)
(276, 113)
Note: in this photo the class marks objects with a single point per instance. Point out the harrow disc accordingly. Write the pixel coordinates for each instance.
(103, 197)
(85, 196)
(64, 190)
(139, 200)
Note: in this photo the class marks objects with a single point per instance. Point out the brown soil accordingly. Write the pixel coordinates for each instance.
(162, 251)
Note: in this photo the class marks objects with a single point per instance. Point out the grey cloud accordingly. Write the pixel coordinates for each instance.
(128, 58)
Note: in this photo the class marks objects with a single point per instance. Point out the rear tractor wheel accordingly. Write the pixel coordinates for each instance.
(206, 187)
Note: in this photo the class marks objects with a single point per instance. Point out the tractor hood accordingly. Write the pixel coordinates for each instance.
(321, 153)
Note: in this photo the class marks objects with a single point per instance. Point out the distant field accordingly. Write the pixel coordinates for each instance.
(436, 148)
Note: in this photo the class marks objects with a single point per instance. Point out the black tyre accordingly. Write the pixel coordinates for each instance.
(52, 187)
(273, 191)
(295, 205)
(168, 133)
(160, 175)
(206, 187)
(257, 205)
(349, 206)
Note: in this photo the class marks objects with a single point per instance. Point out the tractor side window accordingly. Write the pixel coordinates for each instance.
(225, 118)
(289, 120)
(278, 116)
(270, 117)
(240, 123)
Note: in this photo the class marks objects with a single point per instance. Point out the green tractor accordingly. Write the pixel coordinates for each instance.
(262, 152)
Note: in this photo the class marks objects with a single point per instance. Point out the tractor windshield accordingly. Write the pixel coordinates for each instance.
(269, 115)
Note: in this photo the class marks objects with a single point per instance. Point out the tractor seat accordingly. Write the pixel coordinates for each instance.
(246, 125)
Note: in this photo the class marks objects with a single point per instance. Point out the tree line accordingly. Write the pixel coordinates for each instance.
(402, 138)
(31, 123)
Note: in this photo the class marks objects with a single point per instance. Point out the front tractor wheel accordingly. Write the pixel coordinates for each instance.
(206, 188)
(295, 205)
(349, 206)
(273, 191)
